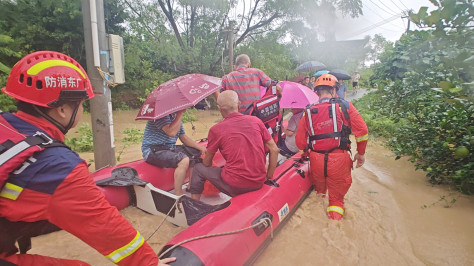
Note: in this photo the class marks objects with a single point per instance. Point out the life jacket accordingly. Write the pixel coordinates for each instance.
(326, 127)
(16, 153)
(267, 109)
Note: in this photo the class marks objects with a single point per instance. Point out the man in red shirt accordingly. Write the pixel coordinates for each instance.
(242, 140)
(246, 82)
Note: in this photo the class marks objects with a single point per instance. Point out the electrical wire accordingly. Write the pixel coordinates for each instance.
(403, 4)
(401, 9)
(373, 11)
(381, 8)
(389, 8)
(104, 76)
(376, 25)
(376, 13)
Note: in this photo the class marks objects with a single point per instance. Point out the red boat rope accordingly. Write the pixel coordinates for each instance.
(265, 221)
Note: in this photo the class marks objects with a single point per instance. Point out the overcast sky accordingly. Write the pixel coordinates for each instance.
(380, 17)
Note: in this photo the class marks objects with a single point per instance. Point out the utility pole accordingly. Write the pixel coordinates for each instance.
(97, 55)
(230, 38)
(407, 16)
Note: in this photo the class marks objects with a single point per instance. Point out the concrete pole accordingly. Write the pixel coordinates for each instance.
(101, 104)
(231, 45)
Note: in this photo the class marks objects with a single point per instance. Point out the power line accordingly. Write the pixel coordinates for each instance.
(378, 24)
(391, 28)
(389, 8)
(403, 4)
(381, 8)
(375, 12)
(401, 9)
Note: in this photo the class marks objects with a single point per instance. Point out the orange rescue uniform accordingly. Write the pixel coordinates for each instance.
(339, 165)
(62, 192)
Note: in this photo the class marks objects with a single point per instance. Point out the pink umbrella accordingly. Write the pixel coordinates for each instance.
(177, 94)
(294, 95)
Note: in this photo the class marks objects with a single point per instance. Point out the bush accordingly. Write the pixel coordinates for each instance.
(85, 142)
(7, 103)
(189, 115)
(132, 136)
(433, 126)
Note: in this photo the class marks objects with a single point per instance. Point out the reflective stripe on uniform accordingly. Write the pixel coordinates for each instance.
(13, 151)
(362, 138)
(336, 209)
(269, 100)
(310, 122)
(123, 252)
(11, 191)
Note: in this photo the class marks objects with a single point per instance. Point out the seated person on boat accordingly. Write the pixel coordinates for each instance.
(159, 147)
(241, 139)
(288, 146)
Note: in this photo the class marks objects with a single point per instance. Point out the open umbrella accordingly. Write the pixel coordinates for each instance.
(294, 95)
(177, 94)
(320, 72)
(310, 66)
(340, 74)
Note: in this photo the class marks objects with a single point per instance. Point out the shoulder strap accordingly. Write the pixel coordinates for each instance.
(249, 109)
(9, 149)
(15, 143)
(344, 107)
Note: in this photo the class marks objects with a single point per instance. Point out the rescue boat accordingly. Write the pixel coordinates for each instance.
(220, 230)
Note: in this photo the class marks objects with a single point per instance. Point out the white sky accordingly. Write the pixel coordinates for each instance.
(376, 12)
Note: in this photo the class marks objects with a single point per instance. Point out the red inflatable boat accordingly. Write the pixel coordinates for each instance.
(234, 230)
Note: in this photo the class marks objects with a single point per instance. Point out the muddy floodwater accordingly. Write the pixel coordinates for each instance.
(393, 217)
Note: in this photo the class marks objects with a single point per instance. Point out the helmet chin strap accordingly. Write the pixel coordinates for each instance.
(63, 129)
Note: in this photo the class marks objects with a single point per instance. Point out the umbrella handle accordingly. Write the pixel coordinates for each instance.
(190, 120)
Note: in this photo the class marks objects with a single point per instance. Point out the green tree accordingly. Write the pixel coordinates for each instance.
(377, 45)
(43, 25)
(424, 103)
(198, 28)
(274, 58)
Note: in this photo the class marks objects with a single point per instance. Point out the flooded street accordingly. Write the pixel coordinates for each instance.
(393, 217)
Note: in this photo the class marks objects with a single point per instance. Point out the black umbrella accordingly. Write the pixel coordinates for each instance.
(310, 66)
(340, 74)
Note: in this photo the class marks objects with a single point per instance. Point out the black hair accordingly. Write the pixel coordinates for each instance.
(30, 108)
(41, 111)
(326, 88)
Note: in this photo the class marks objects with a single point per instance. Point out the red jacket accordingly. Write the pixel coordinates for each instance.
(58, 188)
(357, 124)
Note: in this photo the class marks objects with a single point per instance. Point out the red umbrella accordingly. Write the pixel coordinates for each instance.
(177, 94)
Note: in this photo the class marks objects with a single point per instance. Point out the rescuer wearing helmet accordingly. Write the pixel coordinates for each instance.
(52, 189)
(324, 129)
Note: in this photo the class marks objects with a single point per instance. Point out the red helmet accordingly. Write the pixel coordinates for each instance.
(326, 80)
(47, 79)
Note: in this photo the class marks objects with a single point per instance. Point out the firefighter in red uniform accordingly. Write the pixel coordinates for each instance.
(53, 189)
(324, 130)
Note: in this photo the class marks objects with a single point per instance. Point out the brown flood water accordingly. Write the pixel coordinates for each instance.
(386, 222)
